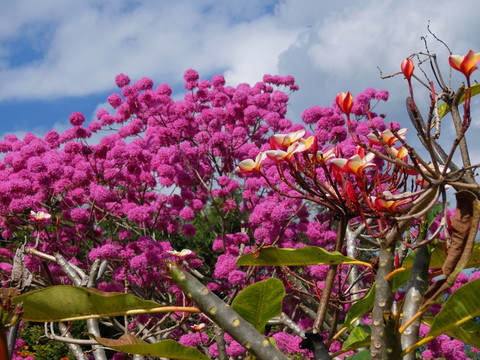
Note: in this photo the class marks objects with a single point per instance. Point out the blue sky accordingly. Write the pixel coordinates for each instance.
(60, 56)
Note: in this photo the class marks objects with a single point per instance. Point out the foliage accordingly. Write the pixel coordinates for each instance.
(337, 225)
(40, 346)
(260, 302)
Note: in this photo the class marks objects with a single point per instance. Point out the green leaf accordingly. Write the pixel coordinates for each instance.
(362, 355)
(460, 307)
(165, 348)
(468, 333)
(400, 279)
(260, 302)
(308, 255)
(433, 213)
(65, 302)
(359, 337)
(438, 257)
(443, 109)
(360, 308)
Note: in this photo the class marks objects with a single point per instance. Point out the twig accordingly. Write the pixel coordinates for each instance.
(67, 338)
(74, 348)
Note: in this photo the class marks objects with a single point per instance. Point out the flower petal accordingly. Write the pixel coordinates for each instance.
(276, 155)
(245, 166)
(345, 102)
(455, 61)
(407, 68)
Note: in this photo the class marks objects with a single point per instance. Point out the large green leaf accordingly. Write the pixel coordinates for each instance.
(433, 214)
(443, 109)
(308, 255)
(461, 307)
(165, 348)
(260, 302)
(400, 278)
(65, 302)
(362, 355)
(358, 338)
(468, 332)
(360, 308)
(438, 258)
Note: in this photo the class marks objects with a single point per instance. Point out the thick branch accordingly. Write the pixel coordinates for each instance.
(224, 316)
(384, 343)
(220, 340)
(351, 239)
(330, 279)
(416, 288)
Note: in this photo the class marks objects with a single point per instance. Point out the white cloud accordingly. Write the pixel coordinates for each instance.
(252, 50)
(89, 45)
(328, 46)
(339, 49)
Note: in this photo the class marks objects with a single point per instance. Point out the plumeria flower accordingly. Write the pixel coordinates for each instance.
(285, 140)
(345, 102)
(400, 153)
(387, 136)
(249, 165)
(276, 155)
(323, 157)
(407, 68)
(299, 146)
(199, 327)
(390, 206)
(352, 196)
(308, 142)
(356, 165)
(280, 155)
(465, 64)
(39, 216)
(180, 254)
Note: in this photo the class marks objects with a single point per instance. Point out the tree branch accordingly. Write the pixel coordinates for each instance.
(224, 316)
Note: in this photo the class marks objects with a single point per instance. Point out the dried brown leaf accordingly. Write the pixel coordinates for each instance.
(464, 229)
(125, 339)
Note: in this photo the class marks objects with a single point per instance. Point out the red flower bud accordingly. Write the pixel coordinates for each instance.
(345, 102)
(407, 68)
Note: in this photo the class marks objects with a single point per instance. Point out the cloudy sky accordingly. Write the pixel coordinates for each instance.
(60, 56)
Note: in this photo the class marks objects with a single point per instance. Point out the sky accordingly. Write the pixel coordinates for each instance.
(58, 56)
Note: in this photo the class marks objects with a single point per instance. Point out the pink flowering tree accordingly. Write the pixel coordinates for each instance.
(214, 227)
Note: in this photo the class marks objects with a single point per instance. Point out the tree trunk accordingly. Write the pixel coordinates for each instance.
(385, 344)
